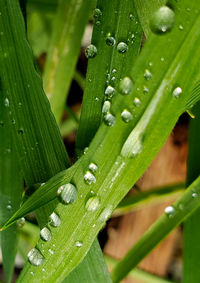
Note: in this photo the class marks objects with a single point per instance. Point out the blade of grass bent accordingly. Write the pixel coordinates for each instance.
(64, 49)
(152, 117)
(191, 234)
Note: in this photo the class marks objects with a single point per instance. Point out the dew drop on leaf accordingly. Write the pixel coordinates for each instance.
(126, 86)
(97, 13)
(122, 47)
(170, 211)
(177, 91)
(67, 193)
(35, 257)
(89, 178)
(78, 244)
(136, 101)
(163, 20)
(109, 119)
(147, 75)
(6, 102)
(126, 116)
(54, 220)
(194, 195)
(92, 203)
(110, 91)
(106, 107)
(91, 51)
(93, 167)
(110, 40)
(105, 214)
(145, 90)
(21, 222)
(45, 234)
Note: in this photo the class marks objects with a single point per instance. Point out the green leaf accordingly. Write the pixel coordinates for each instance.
(153, 120)
(191, 229)
(64, 50)
(177, 213)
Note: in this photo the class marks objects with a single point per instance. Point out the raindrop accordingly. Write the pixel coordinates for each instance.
(91, 51)
(147, 75)
(54, 220)
(78, 244)
(51, 251)
(136, 101)
(6, 102)
(110, 40)
(21, 222)
(45, 234)
(110, 91)
(131, 17)
(177, 91)
(93, 167)
(145, 90)
(163, 20)
(92, 204)
(170, 211)
(35, 257)
(97, 13)
(180, 27)
(109, 119)
(9, 207)
(67, 193)
(106, 107)
(89, 178)
(114, 71)
(194, 195)
(122, 47)
(126, 86)
(126, 116)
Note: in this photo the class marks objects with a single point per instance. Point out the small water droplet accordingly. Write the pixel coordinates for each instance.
(106, 214)
(145, 90)
(85, 150)
(67, 193)
(43, 270)
(96, 99)
(97, 13)
(21, 222)
(6, 102)
(106, 107)
(114, 71)
(194, 195)
(126, 116)
(170, 211)
(91, 51)
(54, 220)
(136, 101)
(9, 207)
(78, 244)
(162, 59)
(92, 203)
(147, 75)
(177, 91)
(122, 47)
(45, 234)
(126, 86)
(21, 131)
(51, 251)
(110, 40)
(93, 167)
(109, 119)
(35, 257)
(32, 273)
(163, 20)
(110, 91)
(180, 27)
(131, 17)
(89, 178)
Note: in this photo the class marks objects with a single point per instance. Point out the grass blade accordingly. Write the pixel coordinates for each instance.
(64, 50)
(182, 208)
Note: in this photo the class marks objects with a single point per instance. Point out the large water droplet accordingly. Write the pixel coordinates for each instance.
(91, 51)
(54, 220)
(126, 116)
(45, 234)
(170, 211)
(92, 203)
(35, 257)
(110, 91)
(163, 20)
(93, 167)
(106, 107)
(109, 119)
(147, 75)
(89, 178)
(122, 47)
(67, 193)
(177, 92)
(126, 86)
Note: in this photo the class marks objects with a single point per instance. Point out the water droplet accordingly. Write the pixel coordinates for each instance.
(114, 71)
(147, 75)
(194, 195)
(67, 193)
(177, 91)
(170, 211)
(91, 51)
(96, 99)
(126, 86)
(21, 131)
(93, 167)
(21, 222)
(110, 91)
(45, 234)
(126, 116)
(89, 178)
(6, 102)
(180, 27)
(92, 204)
(32, 273)
(137, 147)
(106, 107)
(110, 40)
(43, 270)
(136, 101)
(122, 47)
(131, 17)
(145, 90)
(54, 220)
(97, 13)
(85, 150)
(109, 119)
(162, 59)
(78, 244)
(163, 20)
(35, 257)
(1, 123)
(51, 251)
(106, 214)
(9, 207)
